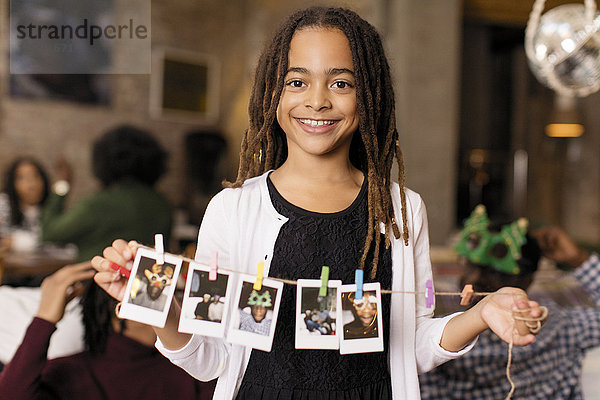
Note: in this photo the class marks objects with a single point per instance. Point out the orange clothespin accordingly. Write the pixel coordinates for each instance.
(259, 276)
(212, 274)
(466, 295)
(160, 248)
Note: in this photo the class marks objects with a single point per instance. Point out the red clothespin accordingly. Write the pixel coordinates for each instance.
(259, 276)
(466, 295)
(358, 280)
(429, 296)
(123, 271)
(160, 248)
(212, 274)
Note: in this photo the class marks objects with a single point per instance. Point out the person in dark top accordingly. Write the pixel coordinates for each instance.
(128, 161)
(120, 361)
(201, 311)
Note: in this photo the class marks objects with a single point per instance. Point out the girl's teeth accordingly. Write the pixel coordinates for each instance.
(316, 123)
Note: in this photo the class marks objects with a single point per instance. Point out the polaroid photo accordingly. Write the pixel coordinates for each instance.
(254, 317)
(316, 317)
(205, 305)
(361, 322)
(150, 288)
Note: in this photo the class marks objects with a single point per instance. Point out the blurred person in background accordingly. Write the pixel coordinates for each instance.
(549, 368)
(26, 189)
(128, 161)
(119, 360)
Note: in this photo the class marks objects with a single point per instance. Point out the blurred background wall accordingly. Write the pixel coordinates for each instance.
(466, 102)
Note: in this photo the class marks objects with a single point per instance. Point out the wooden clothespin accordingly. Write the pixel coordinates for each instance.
(259, 276)
(324, 281)
(160, 248)
(358, 280)
(212, 274)
(466, 295)
(429, 296)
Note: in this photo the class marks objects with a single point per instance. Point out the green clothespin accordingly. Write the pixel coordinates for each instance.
(324, 281)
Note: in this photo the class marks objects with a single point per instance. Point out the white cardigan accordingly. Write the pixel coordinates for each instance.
(242, 226)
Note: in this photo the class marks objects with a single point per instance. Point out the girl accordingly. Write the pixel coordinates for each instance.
(314, 189)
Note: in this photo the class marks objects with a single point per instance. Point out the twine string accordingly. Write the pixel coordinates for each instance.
(509, 362)
(534, 324)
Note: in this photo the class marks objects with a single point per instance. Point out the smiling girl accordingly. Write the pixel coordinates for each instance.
(314, 189)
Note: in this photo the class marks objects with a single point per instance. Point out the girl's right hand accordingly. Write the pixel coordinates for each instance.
(121, 253)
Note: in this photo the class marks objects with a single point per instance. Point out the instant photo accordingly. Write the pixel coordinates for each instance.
(316, 316)
(255, 314)
(360, 319)
(150, 288)
(205, 304)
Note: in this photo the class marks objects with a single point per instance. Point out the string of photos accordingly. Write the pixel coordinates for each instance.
(329, 315)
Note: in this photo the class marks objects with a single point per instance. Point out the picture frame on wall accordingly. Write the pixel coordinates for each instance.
(184, 86)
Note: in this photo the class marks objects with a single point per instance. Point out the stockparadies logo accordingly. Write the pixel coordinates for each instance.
(85, 31)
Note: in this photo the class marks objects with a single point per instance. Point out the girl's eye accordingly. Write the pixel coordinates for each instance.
(296, 83)
(342, 85)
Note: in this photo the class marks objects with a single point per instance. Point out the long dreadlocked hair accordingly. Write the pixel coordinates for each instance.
(373, 147)
(98, 311)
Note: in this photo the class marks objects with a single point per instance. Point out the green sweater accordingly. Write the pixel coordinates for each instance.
(130, 211)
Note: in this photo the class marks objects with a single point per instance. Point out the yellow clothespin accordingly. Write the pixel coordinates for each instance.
(259, 276)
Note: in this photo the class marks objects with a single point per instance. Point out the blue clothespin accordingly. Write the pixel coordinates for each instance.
(160, 248)
(324, 281)
(358, 279)
(212, 274)
(429, 296)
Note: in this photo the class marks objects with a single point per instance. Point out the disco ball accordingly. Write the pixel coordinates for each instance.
(563, 48)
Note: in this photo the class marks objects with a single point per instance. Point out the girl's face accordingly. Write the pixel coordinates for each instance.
(29, 184)
(317, 109)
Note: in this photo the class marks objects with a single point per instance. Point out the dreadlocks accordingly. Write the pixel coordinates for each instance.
(98, 308)
(372, 150)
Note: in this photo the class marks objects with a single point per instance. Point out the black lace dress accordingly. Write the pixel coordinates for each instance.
(305, 243)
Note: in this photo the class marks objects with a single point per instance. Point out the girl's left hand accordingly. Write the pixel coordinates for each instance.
(498, 311)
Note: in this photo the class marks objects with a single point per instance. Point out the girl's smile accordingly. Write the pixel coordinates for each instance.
(316, 126)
